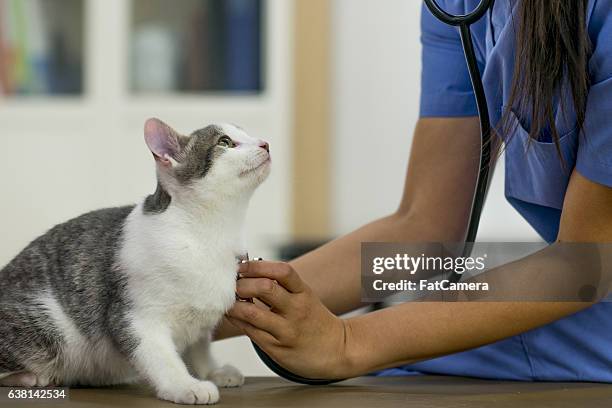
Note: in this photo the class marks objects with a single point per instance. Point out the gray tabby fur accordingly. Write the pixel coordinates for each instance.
(76, 262)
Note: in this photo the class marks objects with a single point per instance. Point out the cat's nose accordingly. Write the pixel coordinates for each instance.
(265, 146)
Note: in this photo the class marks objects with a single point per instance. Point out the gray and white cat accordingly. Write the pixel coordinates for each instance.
(133, 293)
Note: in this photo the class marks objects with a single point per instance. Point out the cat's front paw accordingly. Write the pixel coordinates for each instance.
(226, 377)
(195, 393)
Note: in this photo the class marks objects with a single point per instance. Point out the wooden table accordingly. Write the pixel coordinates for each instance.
(421, 391)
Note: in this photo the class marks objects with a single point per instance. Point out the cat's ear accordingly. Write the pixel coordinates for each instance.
(163, 141)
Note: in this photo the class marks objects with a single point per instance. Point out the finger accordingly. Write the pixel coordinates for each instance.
(260, 318)
(267, 290)
(258, 336)
(278, 271)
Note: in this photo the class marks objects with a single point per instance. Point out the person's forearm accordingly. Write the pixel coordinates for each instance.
(550, 282)
(412, 332)
(333, 271)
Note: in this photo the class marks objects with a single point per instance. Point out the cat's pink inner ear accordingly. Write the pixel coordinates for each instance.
(162, 140)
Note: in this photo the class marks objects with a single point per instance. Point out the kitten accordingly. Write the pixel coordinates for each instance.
(133, 293)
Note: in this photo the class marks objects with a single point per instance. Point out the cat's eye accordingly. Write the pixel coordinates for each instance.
(226, 141)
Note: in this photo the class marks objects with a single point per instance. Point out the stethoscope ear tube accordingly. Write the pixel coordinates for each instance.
(463, 22)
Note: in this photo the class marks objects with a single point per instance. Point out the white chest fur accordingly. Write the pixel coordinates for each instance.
(181, 269)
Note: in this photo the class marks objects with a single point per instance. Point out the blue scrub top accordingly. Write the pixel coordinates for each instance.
(579, 347)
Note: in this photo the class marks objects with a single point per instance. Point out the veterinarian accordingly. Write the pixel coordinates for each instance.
(547, 72)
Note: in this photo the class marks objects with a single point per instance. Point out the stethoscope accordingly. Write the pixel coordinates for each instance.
(463, 22)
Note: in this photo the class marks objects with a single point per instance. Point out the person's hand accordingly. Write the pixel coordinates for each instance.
(296, 330)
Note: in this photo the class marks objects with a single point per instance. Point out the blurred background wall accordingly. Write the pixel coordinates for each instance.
(332, 84)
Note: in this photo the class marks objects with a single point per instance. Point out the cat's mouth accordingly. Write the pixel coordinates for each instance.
(259, 166)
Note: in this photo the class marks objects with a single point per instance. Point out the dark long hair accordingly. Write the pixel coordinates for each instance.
(552, 51)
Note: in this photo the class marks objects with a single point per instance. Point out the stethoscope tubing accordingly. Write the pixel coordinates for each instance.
(463, 22)
(286, 374)
(482, 183)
